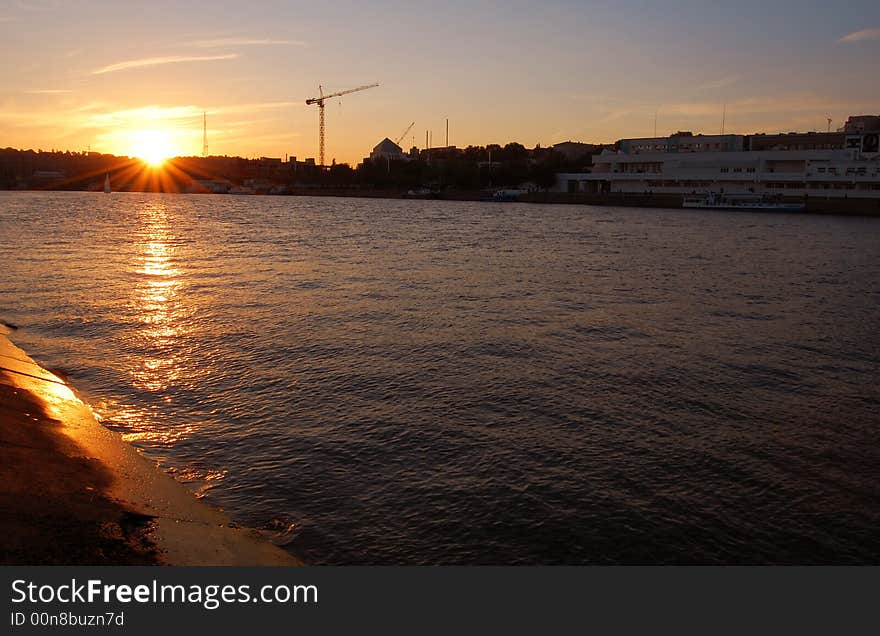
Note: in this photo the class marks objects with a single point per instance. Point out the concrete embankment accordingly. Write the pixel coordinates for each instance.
(814, 205)
(73, 493)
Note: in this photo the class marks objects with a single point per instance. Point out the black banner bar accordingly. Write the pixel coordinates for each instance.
(144, 600)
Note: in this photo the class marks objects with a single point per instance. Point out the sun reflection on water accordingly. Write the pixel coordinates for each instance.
(157, 357)
(159, 309)
(156, 301)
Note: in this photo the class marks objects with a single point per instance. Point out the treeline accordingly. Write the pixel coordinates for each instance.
(471, 168)
(61, 169)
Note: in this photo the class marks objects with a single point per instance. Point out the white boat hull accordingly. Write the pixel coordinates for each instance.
(786, 207)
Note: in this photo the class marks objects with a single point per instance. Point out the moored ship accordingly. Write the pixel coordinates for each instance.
(721, 201)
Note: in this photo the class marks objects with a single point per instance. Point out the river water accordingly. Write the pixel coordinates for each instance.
(402, 382)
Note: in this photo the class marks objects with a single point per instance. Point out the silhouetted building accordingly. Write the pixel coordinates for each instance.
(797, 141)
(442, 153)
(862, 124)
(388, 150)
(573, 150)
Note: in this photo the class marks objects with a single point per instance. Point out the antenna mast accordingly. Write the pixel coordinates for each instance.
(204, 134)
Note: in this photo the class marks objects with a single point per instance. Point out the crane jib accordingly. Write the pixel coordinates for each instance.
(320, 102)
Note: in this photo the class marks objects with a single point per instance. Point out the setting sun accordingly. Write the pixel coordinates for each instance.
(152, 146)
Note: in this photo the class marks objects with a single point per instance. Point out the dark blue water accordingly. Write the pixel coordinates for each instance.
(438, 382)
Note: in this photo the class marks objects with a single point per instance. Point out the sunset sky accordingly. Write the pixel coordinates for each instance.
(116, 76)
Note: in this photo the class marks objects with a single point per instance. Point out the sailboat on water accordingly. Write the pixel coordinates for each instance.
(107, 184)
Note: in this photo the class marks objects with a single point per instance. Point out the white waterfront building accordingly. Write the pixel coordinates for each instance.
(718, 163)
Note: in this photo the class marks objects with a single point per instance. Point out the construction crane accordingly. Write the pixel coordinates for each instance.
(320, 102)
(408, 128)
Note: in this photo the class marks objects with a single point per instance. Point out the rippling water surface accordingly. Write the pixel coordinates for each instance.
(380, 381)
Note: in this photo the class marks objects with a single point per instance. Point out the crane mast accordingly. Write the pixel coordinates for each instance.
(320, 102)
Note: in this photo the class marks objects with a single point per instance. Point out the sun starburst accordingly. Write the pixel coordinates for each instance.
(152, 146)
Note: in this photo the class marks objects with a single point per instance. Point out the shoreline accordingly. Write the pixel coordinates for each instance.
(74, 493)
(835, 206)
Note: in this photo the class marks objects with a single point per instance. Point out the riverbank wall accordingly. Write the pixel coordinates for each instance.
(74, 493)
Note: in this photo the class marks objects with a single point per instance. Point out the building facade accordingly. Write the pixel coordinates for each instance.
(818, 164)
(682, 142)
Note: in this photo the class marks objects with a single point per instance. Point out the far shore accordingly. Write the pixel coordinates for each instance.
(73, 493)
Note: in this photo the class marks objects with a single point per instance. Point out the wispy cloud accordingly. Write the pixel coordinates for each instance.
(249, 108)
(783, 103)
(72, 118)
(761, 113)
(48, 91)
(110, 127)
(145, 114)
(247, 123)
(859, 36)
(719, 83)
(37, 5)
(155, 61)
(249, 141)
(252, 138)
(221, 42)
(100, 115)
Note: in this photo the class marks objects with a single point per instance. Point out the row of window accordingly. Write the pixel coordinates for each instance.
(850, 171)
(770, 186)
(702, 146)
(801, 147)
(824, 186)
(681, 147)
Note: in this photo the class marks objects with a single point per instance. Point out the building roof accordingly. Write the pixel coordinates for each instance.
(387, 146)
